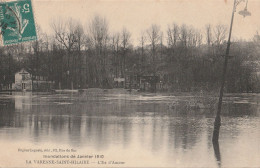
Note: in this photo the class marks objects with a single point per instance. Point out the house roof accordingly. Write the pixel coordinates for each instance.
(23, 71)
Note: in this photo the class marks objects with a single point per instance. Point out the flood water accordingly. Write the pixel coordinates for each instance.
(139, 129)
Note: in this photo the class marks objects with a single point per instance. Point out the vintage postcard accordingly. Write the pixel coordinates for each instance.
(122, 83)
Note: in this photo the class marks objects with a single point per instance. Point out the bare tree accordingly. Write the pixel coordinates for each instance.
(142, 41)
(153, 36)
(98, 37)
(220, 32)
(125, 37)
(80, 62)
(98, 33)
(65, 35)
(199, 38)
(173, 35)
(65, 32)
(115, 44)
(161, 46)
(47, 48)
(195, 37)
(37, 48)
(191, 37)
(209, 37)
(184, 35)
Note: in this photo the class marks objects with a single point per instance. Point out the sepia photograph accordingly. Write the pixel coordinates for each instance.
(129, 83)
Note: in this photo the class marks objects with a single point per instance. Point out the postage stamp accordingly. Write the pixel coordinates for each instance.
(17, 22)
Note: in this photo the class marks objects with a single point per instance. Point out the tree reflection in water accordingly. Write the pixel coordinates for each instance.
(134, 122)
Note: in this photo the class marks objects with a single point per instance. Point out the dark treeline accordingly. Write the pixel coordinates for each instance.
(184, 58)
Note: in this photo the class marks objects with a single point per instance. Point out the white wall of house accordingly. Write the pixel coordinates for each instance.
(23, 80)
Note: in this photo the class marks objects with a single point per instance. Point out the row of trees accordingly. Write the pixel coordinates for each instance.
(183, 57)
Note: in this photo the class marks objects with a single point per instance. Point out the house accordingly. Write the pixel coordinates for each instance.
(23, 80)
(119, 82)
(26, 81)
(149, 82)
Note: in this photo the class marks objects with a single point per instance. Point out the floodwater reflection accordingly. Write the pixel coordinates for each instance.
(217, 152)
(142, 126)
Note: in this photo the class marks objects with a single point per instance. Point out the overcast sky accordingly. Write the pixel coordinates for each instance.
(138, 15)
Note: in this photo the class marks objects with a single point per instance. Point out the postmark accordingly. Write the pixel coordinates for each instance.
(17, 22)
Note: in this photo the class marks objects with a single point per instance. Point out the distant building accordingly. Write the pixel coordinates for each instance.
(26, 81)
(149, 83)
(23, 80)
(119, 82)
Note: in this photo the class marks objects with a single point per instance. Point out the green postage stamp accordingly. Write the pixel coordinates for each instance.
(17, 22)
